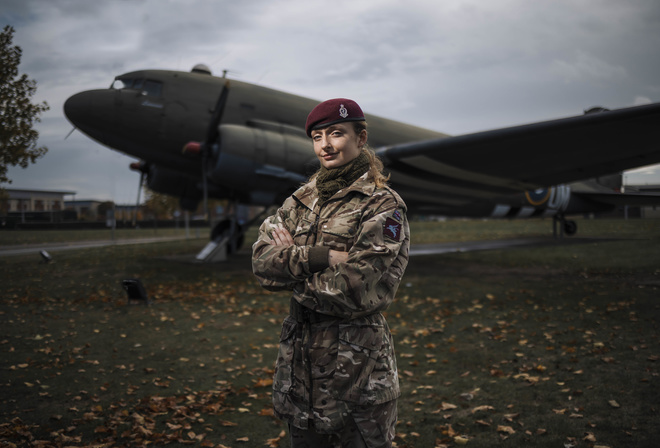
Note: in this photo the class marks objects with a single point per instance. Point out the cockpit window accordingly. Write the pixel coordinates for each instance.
(124, 83)
(152, 88)
(148, 87)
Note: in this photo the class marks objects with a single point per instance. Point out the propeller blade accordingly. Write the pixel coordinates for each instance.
(212, 133)
(212, 136)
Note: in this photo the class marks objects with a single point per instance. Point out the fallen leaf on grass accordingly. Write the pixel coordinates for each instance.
(506, 429)
(447, 406)
(483, 408)
(461, 440)
(268, 412)
(275, 442)
(243, 439)
(263, 382)
(614, 404)
(590, 437)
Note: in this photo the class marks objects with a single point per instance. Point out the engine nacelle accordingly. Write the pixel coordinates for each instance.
(260, 164)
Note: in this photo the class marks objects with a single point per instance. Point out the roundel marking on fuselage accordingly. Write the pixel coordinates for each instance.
(538, 196)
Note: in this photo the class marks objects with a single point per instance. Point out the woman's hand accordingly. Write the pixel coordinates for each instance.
(281, 237)
(336, 257)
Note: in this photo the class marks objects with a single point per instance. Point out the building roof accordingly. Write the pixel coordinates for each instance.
(24, 190)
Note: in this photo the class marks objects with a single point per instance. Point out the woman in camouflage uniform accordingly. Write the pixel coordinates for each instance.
(340, 244)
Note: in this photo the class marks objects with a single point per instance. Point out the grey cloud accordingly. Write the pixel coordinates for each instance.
(451, 66)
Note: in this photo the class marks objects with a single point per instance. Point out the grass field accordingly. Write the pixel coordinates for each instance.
(555, 346)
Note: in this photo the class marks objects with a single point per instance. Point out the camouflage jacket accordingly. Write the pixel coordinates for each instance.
(326, 368)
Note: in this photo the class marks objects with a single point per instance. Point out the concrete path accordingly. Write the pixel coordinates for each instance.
(23, 249)
(415, 250)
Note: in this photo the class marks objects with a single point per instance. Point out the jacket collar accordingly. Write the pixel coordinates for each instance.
(308, 196)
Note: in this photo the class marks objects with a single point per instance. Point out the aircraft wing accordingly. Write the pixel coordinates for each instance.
(631, 199)
(460, 170)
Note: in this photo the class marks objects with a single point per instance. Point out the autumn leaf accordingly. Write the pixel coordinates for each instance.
(275, 442)
(590, 437)
(505, 429)
(483, 408)
(263, 382)
(461, 440)
(447, 406)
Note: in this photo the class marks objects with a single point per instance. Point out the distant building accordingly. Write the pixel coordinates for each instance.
(27, 201)
(85, 208)
(649, 211)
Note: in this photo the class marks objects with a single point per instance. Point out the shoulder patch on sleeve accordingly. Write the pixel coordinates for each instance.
(392, 229)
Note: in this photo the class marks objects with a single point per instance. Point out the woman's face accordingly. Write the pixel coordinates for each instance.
(338, 144)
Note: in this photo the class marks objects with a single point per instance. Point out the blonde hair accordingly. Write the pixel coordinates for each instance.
(376, 166)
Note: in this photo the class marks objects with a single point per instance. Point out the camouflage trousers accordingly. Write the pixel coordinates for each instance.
(370, 427)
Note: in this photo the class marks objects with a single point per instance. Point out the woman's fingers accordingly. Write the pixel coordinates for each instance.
(281, 237)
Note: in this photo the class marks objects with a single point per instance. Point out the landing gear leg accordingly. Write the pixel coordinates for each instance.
(232, 230)
(229, 229)
(566, 226)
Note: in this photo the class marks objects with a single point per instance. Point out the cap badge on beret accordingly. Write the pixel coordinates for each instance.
(342, 111)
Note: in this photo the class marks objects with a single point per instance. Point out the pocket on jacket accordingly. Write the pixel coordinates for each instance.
(302, 232)
(283, 378)
(339, 232)
(359, 349)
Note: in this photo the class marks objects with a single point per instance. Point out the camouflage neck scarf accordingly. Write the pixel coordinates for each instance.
(330, 181)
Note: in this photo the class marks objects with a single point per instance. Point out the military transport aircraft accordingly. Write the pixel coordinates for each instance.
(200, 136)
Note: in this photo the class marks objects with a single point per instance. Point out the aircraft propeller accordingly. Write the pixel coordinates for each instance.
(204, 149)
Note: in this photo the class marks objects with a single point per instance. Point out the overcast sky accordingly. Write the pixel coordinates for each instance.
(452, 66)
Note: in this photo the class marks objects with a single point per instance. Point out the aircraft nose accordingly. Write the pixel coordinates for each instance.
(92, 112)
(77, 107)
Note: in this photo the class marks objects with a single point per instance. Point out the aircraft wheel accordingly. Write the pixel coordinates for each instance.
(223, 229)
(570, 227)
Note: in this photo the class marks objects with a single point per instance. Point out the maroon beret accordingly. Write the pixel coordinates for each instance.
(331, 112)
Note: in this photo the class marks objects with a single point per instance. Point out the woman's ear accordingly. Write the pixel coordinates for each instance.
(362, 138)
